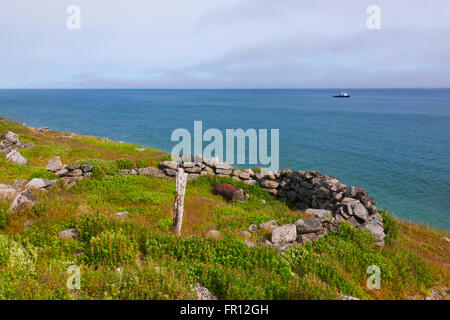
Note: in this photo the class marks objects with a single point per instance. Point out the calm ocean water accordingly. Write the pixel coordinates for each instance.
(395, 143)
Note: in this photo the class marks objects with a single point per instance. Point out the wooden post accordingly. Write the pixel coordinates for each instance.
(178, 206)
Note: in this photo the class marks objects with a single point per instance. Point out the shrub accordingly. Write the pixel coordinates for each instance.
(164, 224)
(111, 248)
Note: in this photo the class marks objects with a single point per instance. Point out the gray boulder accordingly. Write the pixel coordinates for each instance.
(308, 225)
(54, 164)
(284, 234)
(25, 199)
(16, 157)
(11, 137)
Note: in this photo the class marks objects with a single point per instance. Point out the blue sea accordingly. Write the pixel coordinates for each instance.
(393, 142)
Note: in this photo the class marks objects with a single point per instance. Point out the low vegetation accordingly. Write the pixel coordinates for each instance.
(136, 256)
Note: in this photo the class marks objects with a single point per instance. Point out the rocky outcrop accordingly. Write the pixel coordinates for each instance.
(25, 199)
(70, 174)
(10, 141)
(324, 197)
(41, 184)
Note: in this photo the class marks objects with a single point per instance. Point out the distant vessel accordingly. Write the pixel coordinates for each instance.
(342, 95)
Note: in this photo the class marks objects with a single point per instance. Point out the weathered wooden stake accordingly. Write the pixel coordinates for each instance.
(178, 206)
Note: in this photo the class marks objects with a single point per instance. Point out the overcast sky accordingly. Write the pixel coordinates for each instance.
(224, 44)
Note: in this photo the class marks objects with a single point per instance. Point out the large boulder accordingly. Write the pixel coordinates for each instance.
(55, 164)
(284, 234)
(23, 200)
(229, 192)
(11, 137)
(39, 183)
(15, 157)
(308, 225)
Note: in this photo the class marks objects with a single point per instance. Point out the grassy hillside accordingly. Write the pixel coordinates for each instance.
(137, 257)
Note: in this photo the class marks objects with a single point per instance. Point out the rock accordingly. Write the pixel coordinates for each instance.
(170, 172)
(284, 234)
(74, 173)
(269, 184)
(150, 171)
(213, 234)
(55, 164)
(291, 196)
(332, 184)
(268, 226)
(244, 234)
(11, 137)
(168, 165)
(15, 157)
(71, 181)
(359, 210)
(122, 214)
(140, 149)
(446, 239)
(87, 167)
(253, 228)
(344, 297)
(188, 164)
(43, 129)
(321, 214)
(23, 200)
(249, 243)
(8, 192)
(226, 172)
(193, 169)
(62, 172)
(323, 193)
(36, 183)
(282, 247)
(244, 175)
(270, 176)
(377, 229)
(223, 166)
(229, 192)
(351, 192)
(68, 234)
(250, 182)
(19, 183)
(203, 293)
(73, 167)
(308, 225)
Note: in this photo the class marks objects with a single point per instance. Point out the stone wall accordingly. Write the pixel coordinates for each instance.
(304, 189)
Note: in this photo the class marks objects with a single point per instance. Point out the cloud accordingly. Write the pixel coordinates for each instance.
(225, 44)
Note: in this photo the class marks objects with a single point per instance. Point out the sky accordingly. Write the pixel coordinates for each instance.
(224, 44)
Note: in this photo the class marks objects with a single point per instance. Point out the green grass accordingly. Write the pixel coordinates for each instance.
(137, 257)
